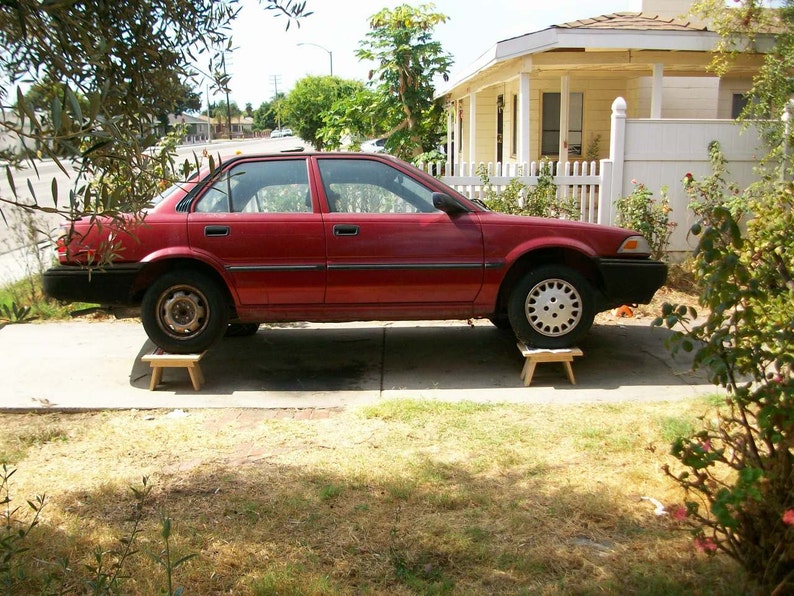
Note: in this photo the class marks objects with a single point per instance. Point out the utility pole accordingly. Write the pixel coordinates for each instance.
(209, 116)
(228, 114)
(275, 80)
(228, 105)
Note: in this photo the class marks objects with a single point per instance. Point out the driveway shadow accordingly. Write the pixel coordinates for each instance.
(383, 357)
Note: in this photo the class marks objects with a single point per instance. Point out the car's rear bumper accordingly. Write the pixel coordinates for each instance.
(111, 286)
(627, 281)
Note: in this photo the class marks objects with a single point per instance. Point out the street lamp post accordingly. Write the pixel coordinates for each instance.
(330, 53)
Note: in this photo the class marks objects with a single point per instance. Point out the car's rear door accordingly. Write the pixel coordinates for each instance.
(387, 244)
(258, 219)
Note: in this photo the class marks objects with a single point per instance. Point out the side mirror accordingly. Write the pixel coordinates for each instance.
(444, 202)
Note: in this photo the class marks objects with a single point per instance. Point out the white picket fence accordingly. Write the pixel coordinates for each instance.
(584, 181)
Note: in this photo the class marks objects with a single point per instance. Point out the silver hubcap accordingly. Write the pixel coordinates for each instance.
(182, 311)
(553, 307)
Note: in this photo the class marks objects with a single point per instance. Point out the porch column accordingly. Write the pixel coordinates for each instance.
(458, 116)
(472, 131)
(565, 112)
(656, 93)
(523, 119)
(451, 137)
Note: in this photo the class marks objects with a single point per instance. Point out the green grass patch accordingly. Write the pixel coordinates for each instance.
(398, 498)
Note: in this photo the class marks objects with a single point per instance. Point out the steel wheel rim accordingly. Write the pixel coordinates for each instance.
(182, 311)
(553, 307)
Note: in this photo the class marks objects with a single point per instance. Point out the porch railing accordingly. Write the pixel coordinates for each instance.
(584, 181)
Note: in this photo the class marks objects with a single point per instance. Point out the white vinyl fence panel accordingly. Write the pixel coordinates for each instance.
(660, 153)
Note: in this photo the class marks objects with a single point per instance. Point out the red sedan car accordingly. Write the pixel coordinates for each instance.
(347, 237)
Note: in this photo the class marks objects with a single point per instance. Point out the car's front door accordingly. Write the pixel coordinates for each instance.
(388, 244)
(258, 220)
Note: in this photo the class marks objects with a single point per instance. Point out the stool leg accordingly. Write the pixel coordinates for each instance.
(529, 367)
(157, 375)
(195, 376)
(569, 372)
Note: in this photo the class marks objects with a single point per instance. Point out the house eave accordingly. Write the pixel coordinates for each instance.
(592, 40)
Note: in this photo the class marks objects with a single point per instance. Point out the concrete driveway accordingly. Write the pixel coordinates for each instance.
(97, 365)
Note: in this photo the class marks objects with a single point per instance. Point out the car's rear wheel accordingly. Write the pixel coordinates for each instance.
(551, 307)
(184, 312)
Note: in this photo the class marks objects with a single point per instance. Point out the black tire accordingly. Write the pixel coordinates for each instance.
(184, 312)
(241, 329)
(501, 321)
(551, 307)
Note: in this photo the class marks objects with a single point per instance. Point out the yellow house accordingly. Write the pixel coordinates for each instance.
(549, 93)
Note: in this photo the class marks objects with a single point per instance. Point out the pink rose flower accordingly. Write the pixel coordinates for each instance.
(788, 517)
(705, 544)
(678, 512)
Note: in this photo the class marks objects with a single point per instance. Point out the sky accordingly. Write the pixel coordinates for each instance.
(268, 58)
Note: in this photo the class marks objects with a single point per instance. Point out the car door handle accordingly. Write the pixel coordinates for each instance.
(345, 230)
(217, 230)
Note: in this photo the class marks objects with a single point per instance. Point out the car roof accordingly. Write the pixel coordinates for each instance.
(301, 152)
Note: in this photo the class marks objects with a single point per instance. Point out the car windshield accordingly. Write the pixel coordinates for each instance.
(176, 187)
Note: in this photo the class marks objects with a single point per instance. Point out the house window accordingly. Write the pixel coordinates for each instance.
(738, 104)
(550, 140)
(740, 101)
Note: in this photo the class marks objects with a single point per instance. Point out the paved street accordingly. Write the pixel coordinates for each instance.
(97, 365)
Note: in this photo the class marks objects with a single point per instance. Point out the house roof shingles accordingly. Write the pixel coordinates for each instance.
(632, 21)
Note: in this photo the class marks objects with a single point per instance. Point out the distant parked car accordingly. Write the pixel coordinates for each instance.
(346, 237)
(281, 132)
(374, 146)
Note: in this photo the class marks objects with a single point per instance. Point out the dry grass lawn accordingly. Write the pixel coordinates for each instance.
(403, 497)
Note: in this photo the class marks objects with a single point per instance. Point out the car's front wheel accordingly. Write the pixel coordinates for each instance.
(184, 312)
(551, 307)
(501, 321)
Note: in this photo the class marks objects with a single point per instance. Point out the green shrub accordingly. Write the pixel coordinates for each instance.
(517, 198)
(738, 469)
(641, 212)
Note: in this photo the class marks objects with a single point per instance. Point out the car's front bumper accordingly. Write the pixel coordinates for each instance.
(108, 286)
(628, 281)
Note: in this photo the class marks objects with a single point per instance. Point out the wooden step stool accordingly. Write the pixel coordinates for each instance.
(533, 356)
(159, 360)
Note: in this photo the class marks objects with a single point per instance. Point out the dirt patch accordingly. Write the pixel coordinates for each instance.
(251, 419)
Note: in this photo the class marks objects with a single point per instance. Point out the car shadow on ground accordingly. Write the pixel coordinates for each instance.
(382, 357)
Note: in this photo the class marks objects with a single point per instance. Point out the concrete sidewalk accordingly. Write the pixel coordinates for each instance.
(97, 365)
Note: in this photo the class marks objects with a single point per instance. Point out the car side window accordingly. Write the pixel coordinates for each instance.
(369, 186)
(272, 186)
